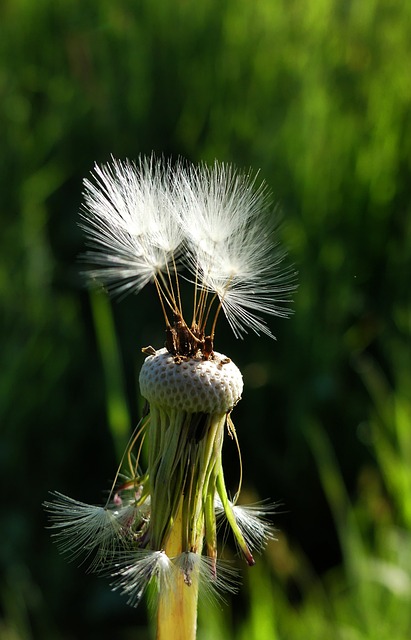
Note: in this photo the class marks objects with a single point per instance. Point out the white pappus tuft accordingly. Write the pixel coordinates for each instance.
(214, 577)
(143, 218)
(230, 249)
(252, 521)
(129, 223)
(140, 568)
(88, 530)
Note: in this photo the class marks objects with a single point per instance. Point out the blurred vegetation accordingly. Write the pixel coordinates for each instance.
(317, 95)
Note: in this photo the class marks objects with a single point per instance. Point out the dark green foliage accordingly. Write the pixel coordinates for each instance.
(317, 95)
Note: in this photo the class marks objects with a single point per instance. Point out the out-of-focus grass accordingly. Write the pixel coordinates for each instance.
(118, 414)
(369, 596)
(317, 96)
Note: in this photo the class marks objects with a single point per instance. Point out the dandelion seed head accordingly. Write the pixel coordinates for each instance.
(150, 221)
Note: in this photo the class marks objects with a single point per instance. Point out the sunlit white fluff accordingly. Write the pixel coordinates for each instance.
(253, 522)
(213, 577)
(140, 568)
(140, 218)
(129, 223)
(229, 230)
(215, 203)
(88, 530)
(136, 570)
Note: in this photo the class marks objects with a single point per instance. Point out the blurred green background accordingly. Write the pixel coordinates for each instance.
(317, 95)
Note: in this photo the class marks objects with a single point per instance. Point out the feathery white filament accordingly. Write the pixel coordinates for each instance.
(229, 242)
(140, 217)
(253, 522)
(139, 569)
(129, 223)
(88, 530)
(213, 577)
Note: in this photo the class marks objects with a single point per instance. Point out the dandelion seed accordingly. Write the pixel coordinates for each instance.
(213, 579)
(253, 521)
(139, 570)
(129, 224)
(229, 245)
(85, 530)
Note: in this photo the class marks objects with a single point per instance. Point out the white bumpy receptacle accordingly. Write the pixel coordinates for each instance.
(192, 385)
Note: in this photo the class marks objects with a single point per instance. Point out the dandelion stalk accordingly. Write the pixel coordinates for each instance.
(177, 608)
(149, 222)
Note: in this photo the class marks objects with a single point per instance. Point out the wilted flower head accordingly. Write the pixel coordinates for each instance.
(152, 221)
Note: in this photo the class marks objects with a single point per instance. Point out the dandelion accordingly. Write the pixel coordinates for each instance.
(151, 222)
